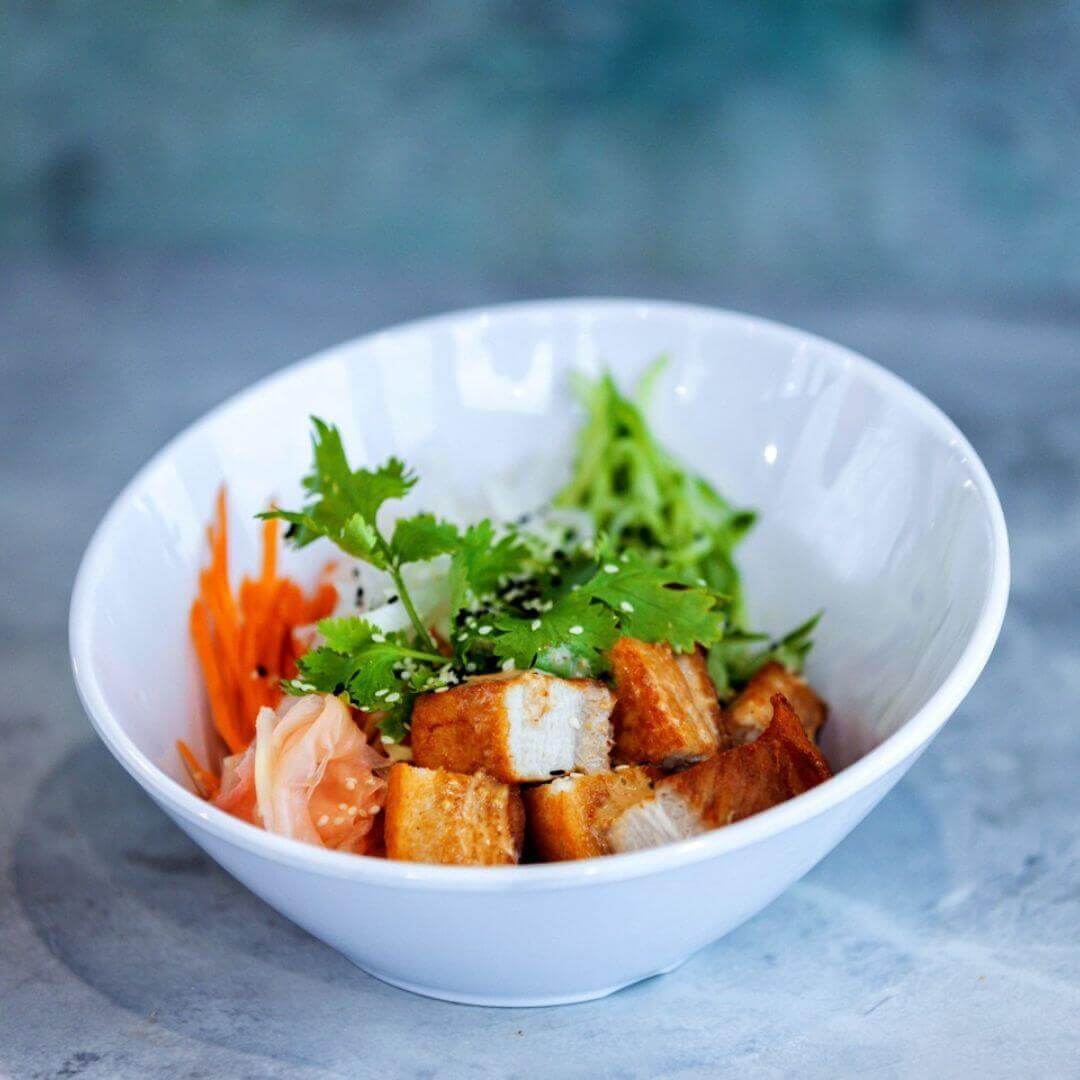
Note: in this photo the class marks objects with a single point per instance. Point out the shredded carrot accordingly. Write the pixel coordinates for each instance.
(206, 783)
(246, 642)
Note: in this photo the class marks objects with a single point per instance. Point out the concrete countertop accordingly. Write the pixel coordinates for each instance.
(941, 939)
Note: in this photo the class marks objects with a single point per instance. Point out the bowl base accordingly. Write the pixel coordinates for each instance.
(500, 1001)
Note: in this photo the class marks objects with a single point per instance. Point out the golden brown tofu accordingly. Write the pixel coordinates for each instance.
(570, 817)
(517, 726)
(436, 816)
(750, 713)
(734, 784)
(667, 713)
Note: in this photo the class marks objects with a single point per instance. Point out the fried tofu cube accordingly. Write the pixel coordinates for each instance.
(667, 712)
(731, 786)
(436, 816)
(750, 713)
(570, 817)
(517, 726)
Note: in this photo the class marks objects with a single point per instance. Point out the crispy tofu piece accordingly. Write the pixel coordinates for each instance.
(436, 816)
(667, 712)
(750, 713)
(517, 726)
(734, 784)
(570, 817)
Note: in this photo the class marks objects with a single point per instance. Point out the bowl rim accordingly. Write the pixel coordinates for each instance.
(907, 741)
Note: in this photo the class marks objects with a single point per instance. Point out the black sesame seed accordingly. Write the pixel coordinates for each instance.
(260, 671)
(558, 772)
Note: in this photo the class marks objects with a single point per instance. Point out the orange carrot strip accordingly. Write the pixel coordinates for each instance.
(206, 783)
(269, 553)
(216, 687)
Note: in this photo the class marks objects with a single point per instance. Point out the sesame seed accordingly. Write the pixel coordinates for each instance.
(339, 820)
(378, 638)
(625, 605)
(535, 624)
(610, 568)
(350, 783)
(343, 806)
(577, 629)
(392, 698)
(509, 665)
(323, 821)
(484, 630)
(382, 693)
(441, 689)
(351, 811)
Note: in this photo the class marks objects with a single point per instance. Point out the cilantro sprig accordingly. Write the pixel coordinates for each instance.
(344, 506)
(379, 671)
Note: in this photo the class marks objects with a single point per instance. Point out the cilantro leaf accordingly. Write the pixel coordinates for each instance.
(346, 635)
(588, 628)
(320, 671)
(379, 671)
(654, 604)
(481, 561)
(422, 537)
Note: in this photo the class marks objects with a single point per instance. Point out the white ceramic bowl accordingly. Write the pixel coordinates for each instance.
(873, 506)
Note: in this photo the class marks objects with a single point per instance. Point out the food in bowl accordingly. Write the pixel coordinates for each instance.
(579, 682)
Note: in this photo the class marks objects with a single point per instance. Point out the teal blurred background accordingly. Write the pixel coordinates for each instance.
(830, 148)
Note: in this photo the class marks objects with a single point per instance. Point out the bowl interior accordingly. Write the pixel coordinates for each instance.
(869, 505)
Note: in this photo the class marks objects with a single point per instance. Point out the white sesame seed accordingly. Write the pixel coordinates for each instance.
(378, 638)
(509, 665)
(350, 783)
(484, 630)
(339, 820)
(382, 693)
(351, 811)
(441, 689)
(392, 698)
(343, 806)
(535, 624)
(577, 629)
(323, 821)
(625, 605)
(610, 568)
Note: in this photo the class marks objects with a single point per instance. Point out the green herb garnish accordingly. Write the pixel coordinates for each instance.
(518, 599)
(650, 505)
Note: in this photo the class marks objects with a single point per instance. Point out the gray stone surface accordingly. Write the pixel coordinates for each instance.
(941, 939)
